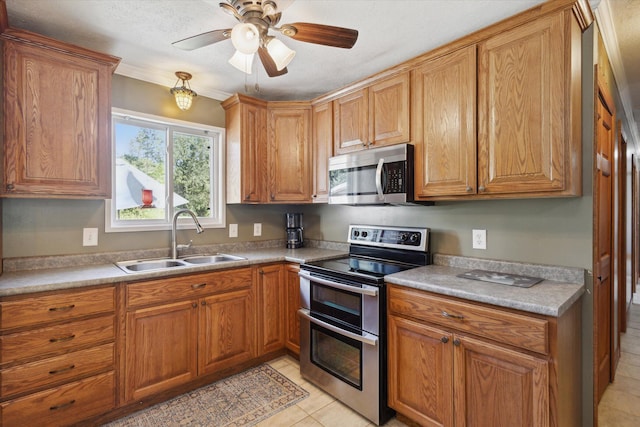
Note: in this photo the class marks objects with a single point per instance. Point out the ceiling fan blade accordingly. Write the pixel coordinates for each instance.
(202, 40)
(269, 64)
(321, 34)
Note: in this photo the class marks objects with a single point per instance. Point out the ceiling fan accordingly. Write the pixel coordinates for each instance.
(251, 35)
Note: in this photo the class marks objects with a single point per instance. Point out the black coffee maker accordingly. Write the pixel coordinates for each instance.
(294, 230)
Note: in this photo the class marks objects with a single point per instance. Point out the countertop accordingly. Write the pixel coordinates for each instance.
(559, 290)
(561, 287)
(48, 279)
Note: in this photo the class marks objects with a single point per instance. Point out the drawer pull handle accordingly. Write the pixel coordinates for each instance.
(65, 308)
(198, 285)
(452, 316)
(62, 406)
(61, 370)
(63, 339)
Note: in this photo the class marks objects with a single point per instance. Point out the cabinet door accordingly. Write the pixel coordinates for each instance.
(350, 115)
(289, 154)
(271, 289)
(496, 386)
(389, 111)
(160, 348)
(522, 106)
(444, 119)
(420, 372)
(227, 330)
(292, 305)
(253, 152)
(57, 123)
(322, 120)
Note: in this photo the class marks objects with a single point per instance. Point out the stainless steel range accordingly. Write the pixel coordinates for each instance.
(343, 315)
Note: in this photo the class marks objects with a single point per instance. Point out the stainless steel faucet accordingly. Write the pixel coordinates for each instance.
(174, 245)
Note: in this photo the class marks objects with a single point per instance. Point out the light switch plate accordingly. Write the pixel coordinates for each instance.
(479, 239)
(233, 230)
(257, 229)
(89, 237)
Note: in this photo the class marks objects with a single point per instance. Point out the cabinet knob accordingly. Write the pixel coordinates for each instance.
(261, 271)
(456, 342)
(247, 197)
(272, 196)
(469, 189)
(194, 304)
(203, 303)
(444, 339)
(10, 187)
(482, 188)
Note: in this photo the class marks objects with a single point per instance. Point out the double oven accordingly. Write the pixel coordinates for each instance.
(343, 315)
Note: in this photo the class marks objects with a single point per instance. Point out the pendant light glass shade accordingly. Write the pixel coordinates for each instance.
(242, 62)
(245, 38)
(280, 53)
(183, 94)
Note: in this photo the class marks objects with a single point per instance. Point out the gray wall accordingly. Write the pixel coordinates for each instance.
(549, 231)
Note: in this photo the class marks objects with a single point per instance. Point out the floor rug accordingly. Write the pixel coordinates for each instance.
(240, 400)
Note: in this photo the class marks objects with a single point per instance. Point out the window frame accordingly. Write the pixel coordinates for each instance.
(218, 168)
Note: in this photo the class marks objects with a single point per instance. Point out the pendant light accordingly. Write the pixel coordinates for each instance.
(183, 94)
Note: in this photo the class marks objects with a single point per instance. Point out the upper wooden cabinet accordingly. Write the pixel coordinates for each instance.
(57, 110)
(444, 123)
(246, 130)
(289, 153)
(374, 116)
(528, 114)
(268, 151)
(529, 108)
(322, 149)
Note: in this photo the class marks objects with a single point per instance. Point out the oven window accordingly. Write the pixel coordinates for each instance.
(338, 304)
(338, 355)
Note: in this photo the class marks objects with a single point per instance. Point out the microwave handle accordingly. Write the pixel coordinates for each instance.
(365, 338)
(379, 179)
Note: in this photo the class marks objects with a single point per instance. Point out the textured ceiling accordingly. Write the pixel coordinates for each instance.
(390, 32)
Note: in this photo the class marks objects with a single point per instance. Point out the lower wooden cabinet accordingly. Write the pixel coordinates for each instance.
(292, 321)
(169, 342)
(443, 372)
(57, 356)
(271, 302)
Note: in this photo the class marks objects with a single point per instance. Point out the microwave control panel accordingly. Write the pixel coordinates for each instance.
(395, 173)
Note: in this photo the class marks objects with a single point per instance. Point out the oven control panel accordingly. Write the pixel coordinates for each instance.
(408, 238)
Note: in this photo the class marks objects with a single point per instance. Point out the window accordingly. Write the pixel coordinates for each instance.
(161, 165)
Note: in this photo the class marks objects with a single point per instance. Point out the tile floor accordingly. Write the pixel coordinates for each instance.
(317, 410)
(620, 404)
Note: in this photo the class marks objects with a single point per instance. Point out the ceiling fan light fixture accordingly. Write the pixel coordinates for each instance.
(183, 94)
(245, 38)
(280, 53)
(242, 61)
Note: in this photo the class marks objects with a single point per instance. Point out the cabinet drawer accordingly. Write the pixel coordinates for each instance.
(63, 405)
(57, 338)
(54, 370)
(34, 310)
(502, 326)
(171, 289)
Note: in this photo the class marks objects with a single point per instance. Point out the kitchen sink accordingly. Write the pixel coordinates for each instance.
(147, 265)
(211, 259)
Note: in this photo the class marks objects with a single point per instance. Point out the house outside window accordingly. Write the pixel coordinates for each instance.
(160, 166)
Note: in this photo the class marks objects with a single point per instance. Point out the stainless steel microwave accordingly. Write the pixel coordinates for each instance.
(376, 176)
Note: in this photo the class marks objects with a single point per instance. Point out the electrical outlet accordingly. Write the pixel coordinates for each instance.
(479, 239)
(257, 229)
(233, 230)
(89, 237)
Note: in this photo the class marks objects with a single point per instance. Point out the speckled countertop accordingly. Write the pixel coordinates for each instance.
(48, 279)
(553, 296)
(562, 286)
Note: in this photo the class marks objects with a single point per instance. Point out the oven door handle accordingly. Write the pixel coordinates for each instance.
(379, 188)
(365, 338)
(364, 290)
